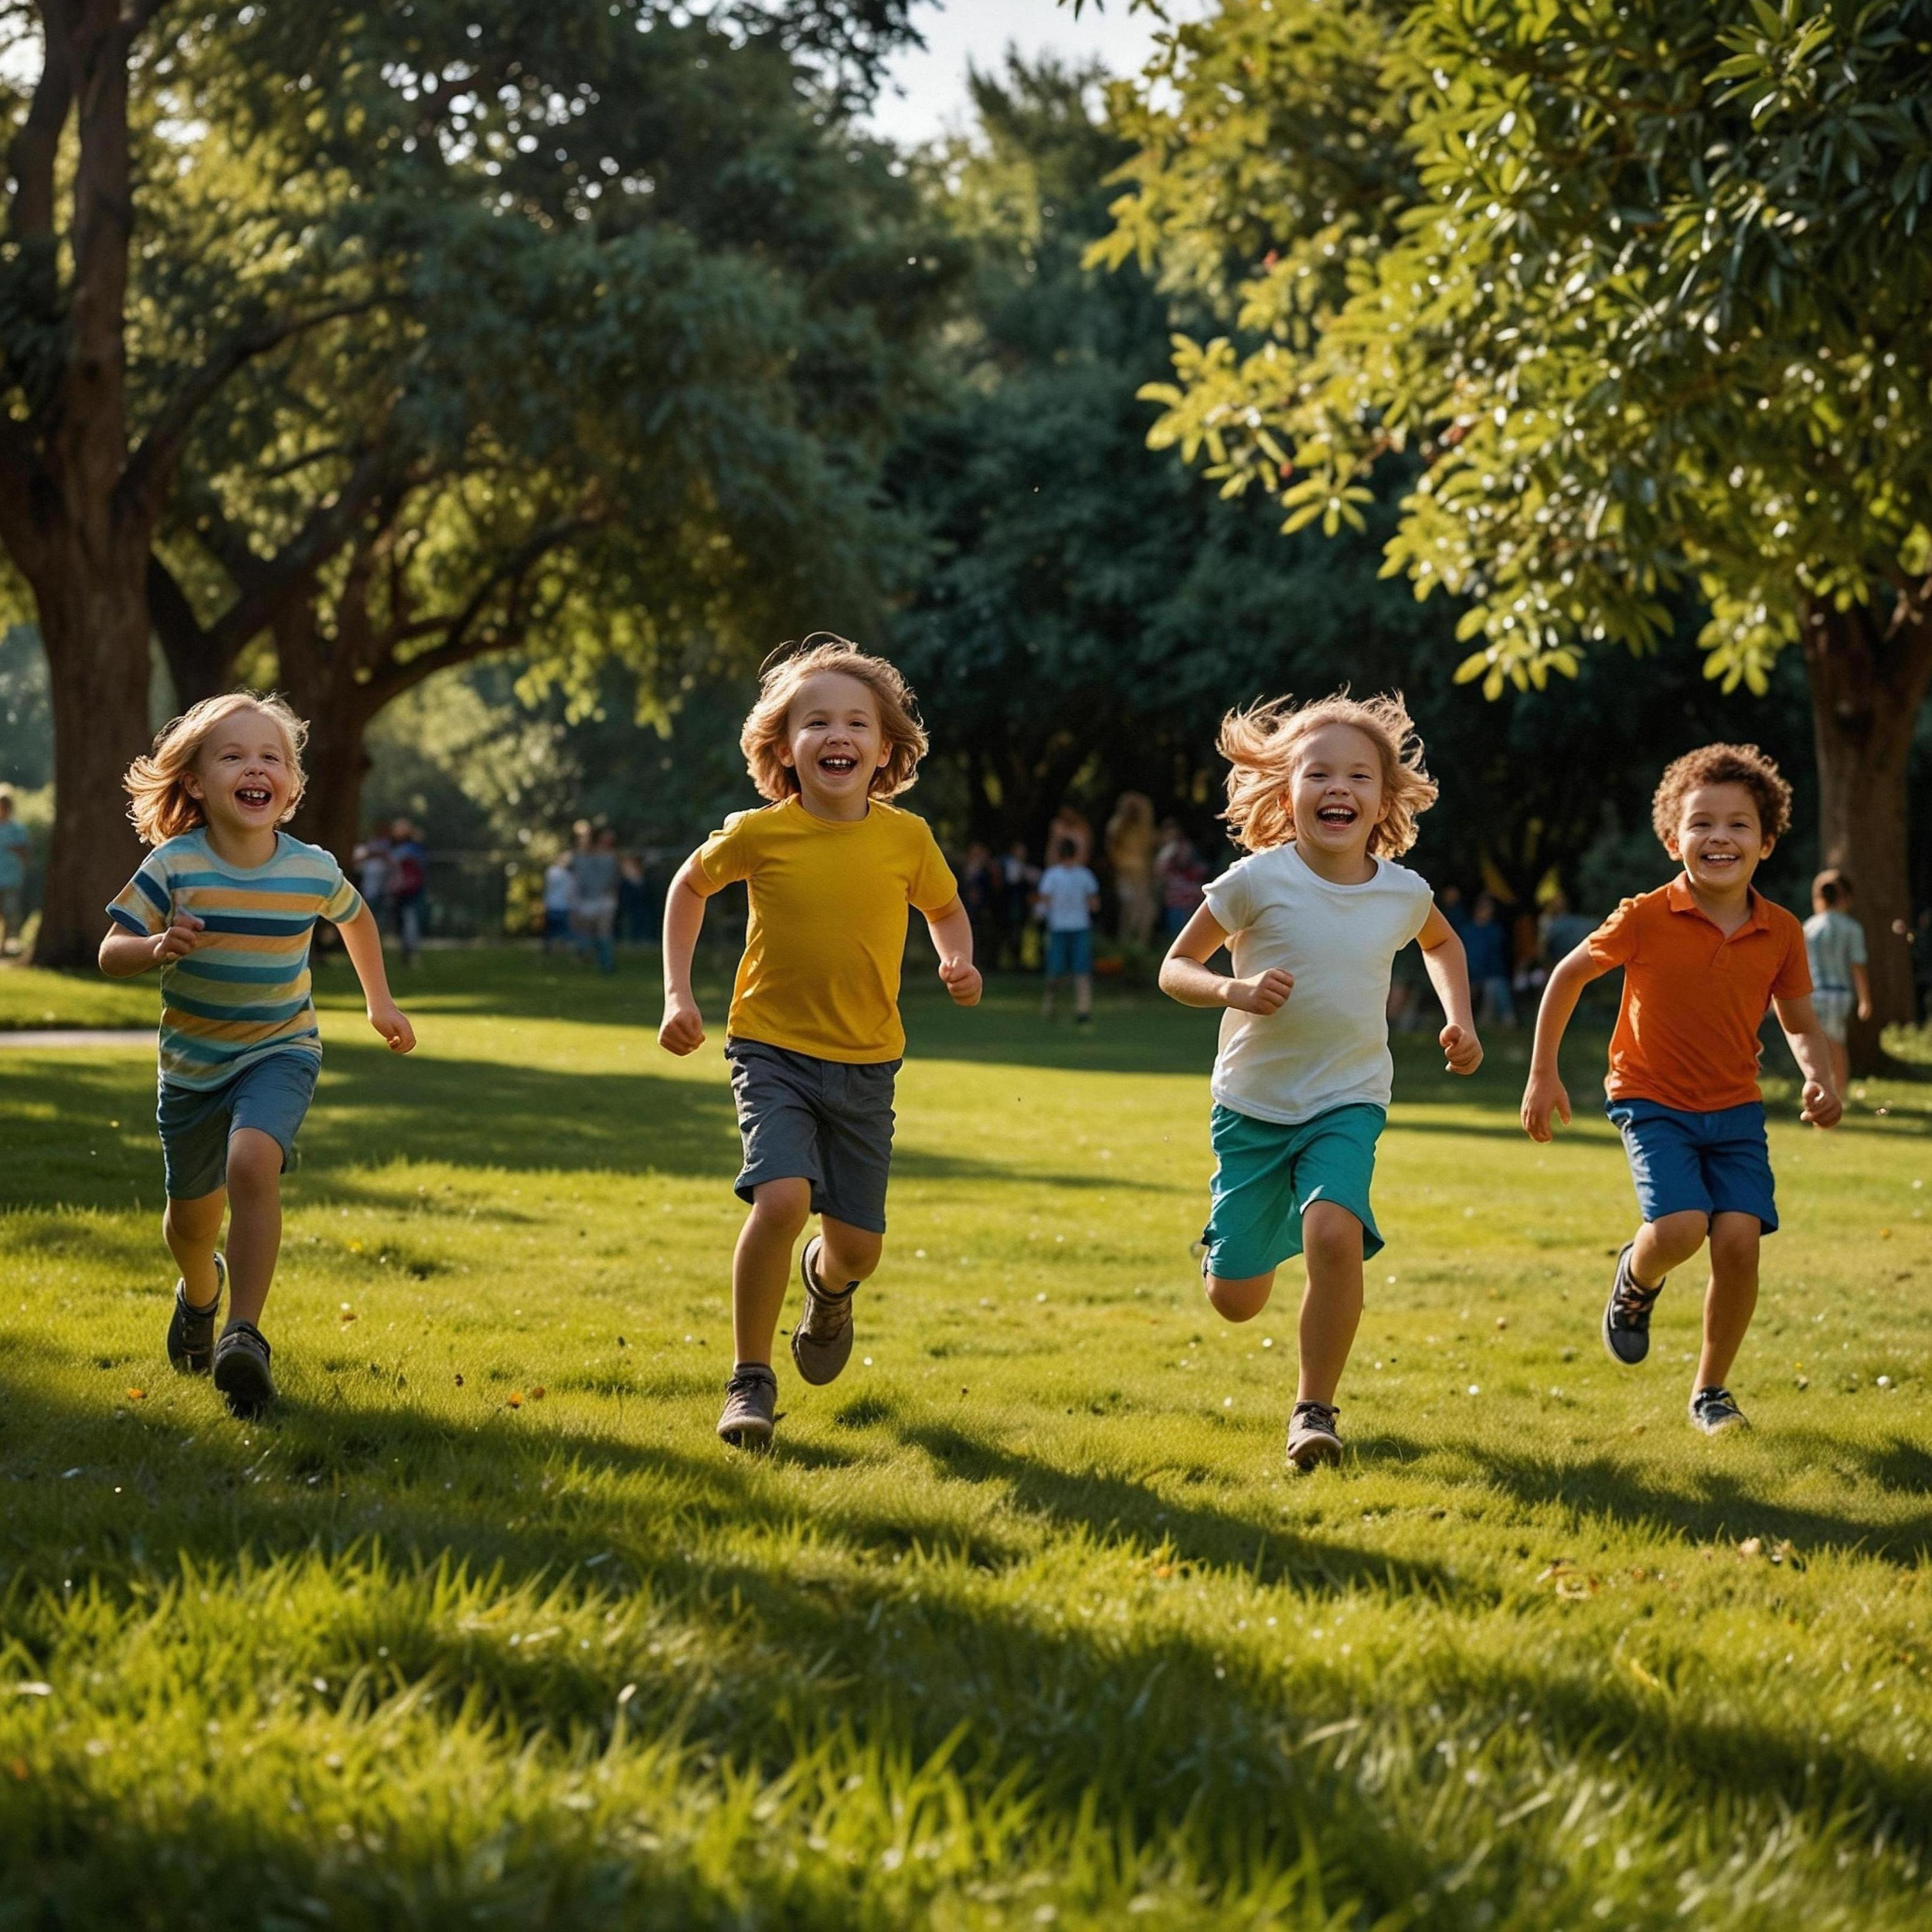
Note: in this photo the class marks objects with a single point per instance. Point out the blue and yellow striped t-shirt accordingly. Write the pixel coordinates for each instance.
(243, 993)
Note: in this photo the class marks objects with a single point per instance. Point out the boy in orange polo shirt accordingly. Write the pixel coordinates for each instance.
(1703, 958)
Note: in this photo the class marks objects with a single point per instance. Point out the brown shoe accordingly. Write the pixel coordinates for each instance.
(1312, 1438)
(822, 1342)
(751, 1406)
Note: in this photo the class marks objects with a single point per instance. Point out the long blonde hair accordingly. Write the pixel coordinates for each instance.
(766, 734)
(1260, 746)
(163, 807)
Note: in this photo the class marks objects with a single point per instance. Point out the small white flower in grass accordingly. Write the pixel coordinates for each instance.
(1469, 1214)
(628, 1692)
(1227, 1402)
(1040, 1297)
(1885, 1382)
(869, 1361)
(1392, 1281)
(1268, 1342)
(1475, 1388)
(919, 1254)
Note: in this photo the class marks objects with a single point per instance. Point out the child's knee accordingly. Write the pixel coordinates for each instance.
(1241, 1300)
(1331, 1237)
(254, 1162)
(784, 1206)
(1682, 1234)
(1734, 1241)
(852, 1253)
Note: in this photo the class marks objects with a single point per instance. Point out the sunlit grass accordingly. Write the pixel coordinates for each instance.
(1024, 1622)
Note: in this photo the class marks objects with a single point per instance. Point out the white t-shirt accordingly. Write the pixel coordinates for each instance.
(1328, 1045)
(1835, 941)
(560, 887)
(1067, 890)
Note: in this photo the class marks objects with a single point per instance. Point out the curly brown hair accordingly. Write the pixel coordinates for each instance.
(767, 729)
(1259, 745)
(1723, 765)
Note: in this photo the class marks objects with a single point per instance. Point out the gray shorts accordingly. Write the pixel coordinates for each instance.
(1834, 1006)
(272, 1097)
(818, 1121)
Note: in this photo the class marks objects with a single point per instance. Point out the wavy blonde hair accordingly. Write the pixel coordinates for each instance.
(163, 809)
(1262, 744)
(767, 729)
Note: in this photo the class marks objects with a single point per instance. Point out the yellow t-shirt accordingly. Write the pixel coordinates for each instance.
(820, 973)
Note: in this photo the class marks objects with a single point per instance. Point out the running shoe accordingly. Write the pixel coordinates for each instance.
(1714, 1410)
(822, 1342)
(1312, 1438)
(751, 1406)
(1626, 1314)
(190, 1331)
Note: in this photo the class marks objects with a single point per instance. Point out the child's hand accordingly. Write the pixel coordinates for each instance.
(389, 1020)
(1461, 1049)
(183, 935)
(1266, 993)
(1544, 1095)
(682, 1029)
(1822, 1107)
(962, 981)
(1865, 1009)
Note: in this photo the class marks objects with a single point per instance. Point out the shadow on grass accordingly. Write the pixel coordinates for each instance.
(1139, 1723)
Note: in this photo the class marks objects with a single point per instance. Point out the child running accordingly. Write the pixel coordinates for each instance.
(814, 1037)
(1840, 985)
(225, 905)
(1323, 797)
(1704, 957)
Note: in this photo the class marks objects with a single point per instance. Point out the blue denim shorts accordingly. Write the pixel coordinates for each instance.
(1267, 1176)
(1706, 1163)
(272, 1097)
(1069, 954)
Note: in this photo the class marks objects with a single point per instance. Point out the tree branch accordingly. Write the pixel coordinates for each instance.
(144, 484)
(31, 155)
(196, 664)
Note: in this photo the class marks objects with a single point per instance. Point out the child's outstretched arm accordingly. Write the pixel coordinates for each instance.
(1824, 1106)
(362, 941)
(1544, 1094)
(951, 927)
(681, 1029)
(1186, 976)
(1862, 986)
(124, 954)
(1447, 966)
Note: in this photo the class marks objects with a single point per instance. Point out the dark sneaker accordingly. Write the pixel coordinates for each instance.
(1714, 1410)
(751, 1406)
(1312, 1435)
(1626, 1314)
(241, 1369)
(190, 1331)
(822, 1342)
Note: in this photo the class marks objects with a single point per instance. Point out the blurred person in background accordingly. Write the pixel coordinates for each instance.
(559, 901)
(593, 869)
(1183, 879)
(982, 891)
(1486, 944)
(409, 880)
(1070, 823)
(15, 844)
(1130, 851)
(633, 901)
(372, 861)
(1018, 877)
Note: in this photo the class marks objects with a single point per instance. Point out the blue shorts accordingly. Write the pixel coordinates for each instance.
(1702, 1163)
(272, 1097)
(1070, 954)
(1266, 1177)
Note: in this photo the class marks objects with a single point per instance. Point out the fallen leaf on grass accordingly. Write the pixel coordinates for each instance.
(137, 1395)
(516, 1400)
(539, 1393)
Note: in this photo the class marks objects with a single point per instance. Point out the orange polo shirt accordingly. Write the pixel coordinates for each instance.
(1695, 996)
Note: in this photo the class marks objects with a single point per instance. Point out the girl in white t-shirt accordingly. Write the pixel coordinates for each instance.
(1323, 797)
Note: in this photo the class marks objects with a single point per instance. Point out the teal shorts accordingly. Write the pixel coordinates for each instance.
(1266, 1177)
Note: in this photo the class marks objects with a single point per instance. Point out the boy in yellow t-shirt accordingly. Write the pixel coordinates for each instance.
(814, 1037)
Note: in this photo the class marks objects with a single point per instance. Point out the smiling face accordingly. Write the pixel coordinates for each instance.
(243, 774)
(834, 742)
(1335, 791)
(1719, 839)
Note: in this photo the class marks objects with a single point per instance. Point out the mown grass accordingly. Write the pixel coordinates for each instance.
(1023, 1622)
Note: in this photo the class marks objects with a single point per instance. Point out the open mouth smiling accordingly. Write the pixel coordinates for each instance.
(254, 797)
(1337, 815)
(838, 765)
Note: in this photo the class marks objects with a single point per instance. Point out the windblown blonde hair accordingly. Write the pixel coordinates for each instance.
(1262, 744)
(163, 807)
(767, 731)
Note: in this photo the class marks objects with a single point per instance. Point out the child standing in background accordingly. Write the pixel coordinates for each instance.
(1322, 797)
(226, 905)
(1704, 957)
(814, 1038)
(1067, 898)
(1834, 947)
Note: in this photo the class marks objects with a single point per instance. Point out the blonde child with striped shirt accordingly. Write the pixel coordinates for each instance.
(225, 905)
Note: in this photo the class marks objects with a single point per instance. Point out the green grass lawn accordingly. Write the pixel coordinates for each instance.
(1023, 1622)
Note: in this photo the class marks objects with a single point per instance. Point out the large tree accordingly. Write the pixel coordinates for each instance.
(272, 191)
(1648, 314)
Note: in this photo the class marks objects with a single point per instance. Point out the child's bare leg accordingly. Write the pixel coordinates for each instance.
(1240, 1299)
(1047, 998)
(1331, 1303)
(761, 1267)
(255, 1223)
(1083, 994)
(193, 1227)
(849, 1253)
(1841, 1053)
(1666, 1243)
(1731, 1299)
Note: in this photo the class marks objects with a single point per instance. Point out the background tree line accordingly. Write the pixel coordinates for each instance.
(597, 340)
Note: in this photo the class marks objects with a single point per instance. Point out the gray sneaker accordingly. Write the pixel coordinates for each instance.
(1626, 1314)
(822, 1342)
(1714, 1410)
(751, 1406)
(241, 1369)
(1312, 1438)
(190, 1331)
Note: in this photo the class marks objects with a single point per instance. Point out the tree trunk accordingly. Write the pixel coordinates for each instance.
(1867, 682)
(94, 617)
(337, 761)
